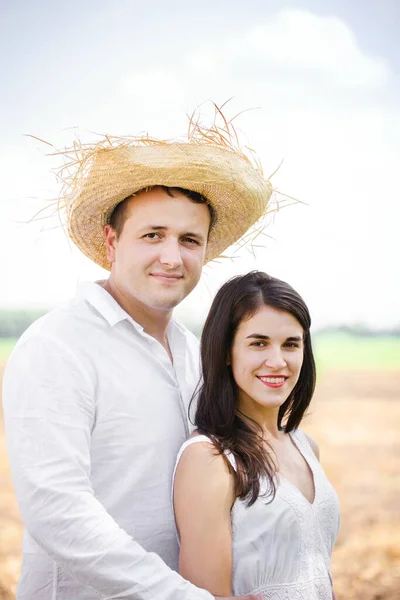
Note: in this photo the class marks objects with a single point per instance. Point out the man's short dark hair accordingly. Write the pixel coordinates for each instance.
(120, 213)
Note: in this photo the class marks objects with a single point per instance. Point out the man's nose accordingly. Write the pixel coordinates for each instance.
(171, 253)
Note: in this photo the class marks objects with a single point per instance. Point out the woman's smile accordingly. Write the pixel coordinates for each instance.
(274, 381)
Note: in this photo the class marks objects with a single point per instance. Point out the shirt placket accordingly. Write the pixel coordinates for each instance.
(175, 370)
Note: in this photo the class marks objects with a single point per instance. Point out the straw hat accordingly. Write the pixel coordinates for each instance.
(208, 163)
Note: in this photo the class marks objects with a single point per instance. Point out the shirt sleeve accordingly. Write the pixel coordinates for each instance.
(49, 408)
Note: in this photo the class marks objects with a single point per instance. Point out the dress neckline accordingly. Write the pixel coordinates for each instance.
(298, 445)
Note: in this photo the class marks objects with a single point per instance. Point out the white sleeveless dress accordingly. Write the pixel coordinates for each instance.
(282, 550)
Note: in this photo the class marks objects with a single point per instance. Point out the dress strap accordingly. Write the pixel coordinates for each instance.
(303, 444)
(201, 438)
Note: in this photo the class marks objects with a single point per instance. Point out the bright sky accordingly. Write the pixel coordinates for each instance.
(325, 75)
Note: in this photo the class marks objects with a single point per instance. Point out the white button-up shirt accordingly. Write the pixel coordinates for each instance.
(95, 414)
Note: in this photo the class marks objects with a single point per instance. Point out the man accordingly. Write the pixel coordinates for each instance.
(96, 394)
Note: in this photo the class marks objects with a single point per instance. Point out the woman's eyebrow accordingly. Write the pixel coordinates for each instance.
(260, 336)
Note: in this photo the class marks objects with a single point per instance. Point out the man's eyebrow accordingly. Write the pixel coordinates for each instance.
(165, 228)
(194, 235)
(260, 336)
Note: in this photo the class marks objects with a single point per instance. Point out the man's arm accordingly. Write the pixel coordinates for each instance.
(49, 406)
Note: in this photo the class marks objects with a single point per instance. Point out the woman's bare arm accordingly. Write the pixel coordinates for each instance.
(203, 497)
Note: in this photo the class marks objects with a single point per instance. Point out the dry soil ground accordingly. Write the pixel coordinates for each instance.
(356, 419)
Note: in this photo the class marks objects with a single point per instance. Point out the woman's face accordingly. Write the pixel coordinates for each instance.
(266, 359)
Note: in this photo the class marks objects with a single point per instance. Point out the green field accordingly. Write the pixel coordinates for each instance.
(332, 351)
(344, 351)
(6, 345)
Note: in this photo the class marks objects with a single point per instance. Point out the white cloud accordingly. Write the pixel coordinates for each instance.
(322, 46)
(297, 43)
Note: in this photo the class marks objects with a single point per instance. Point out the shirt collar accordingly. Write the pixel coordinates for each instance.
(105, 304)
(113, 312)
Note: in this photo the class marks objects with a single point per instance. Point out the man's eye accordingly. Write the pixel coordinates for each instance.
(152, 236)
(191, 241)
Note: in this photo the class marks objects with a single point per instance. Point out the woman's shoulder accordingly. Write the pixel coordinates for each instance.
(309, 440)
(201, 466)
(199, 448)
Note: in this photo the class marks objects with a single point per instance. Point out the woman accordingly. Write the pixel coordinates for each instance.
(254, 510)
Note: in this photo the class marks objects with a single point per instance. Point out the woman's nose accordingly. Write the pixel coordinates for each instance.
(275, 358)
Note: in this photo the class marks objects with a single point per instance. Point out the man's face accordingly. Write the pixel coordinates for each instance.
(158, 257)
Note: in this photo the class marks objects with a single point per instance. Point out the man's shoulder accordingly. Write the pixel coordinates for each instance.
(58, 324)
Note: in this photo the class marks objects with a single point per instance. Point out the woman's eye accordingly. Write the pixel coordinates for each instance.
(258, 344)
(292, 345)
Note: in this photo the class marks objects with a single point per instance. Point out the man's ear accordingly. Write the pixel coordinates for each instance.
(111, 242)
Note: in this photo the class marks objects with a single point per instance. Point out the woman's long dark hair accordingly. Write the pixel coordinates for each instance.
(217, 414)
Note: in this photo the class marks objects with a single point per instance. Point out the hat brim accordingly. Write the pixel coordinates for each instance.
(235, 189)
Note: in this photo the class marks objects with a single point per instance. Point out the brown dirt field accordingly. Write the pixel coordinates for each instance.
(356, 419)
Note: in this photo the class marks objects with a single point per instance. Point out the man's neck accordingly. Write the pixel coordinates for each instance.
(154, 322)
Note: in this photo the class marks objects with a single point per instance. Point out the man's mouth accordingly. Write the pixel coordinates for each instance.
(167, 276)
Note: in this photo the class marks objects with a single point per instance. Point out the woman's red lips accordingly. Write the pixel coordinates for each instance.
(274, 381)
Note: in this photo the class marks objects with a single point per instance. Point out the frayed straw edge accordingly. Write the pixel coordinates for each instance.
(247, 241)
(79, 157)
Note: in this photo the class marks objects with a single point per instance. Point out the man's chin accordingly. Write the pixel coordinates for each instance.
(167, 303)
